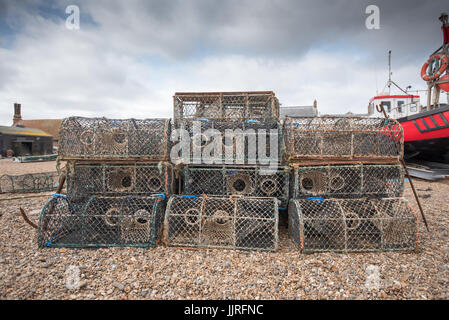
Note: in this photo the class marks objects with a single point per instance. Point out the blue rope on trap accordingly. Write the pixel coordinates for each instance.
(48, 243)
(320, 199)
(54, 196)
(189, 197)
(161, 195)
(53, 236)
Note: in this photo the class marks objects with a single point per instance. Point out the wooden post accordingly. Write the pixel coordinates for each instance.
(436, 97)
(429, 95)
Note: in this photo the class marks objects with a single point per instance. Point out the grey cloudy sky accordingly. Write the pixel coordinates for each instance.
(129, 57)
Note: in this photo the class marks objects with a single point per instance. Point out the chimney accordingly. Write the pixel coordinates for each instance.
(17, 119)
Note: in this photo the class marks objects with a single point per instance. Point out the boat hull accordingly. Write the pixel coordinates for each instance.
(426, 135)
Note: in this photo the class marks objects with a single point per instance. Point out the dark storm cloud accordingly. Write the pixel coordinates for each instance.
(182, 29)
(128, 57)
(269, 28)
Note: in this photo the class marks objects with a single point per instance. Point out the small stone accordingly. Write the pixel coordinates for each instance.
(119, 286)
(83, 284)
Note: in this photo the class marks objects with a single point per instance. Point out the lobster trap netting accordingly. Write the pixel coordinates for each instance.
(377, 180)
(86, 179)
(231, 106)
(101, 138)
(342, 138)
(248, 181)
(31, 182)
(351, 225)
(102, 221)
(224, 222)
(219, 141)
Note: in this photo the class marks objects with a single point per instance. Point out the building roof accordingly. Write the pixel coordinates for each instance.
(23, 131)
(347, 114)
(47, 125)
(298, 111)
(224, 93)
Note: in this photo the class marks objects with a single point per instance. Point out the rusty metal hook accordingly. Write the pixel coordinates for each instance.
(27, 220)
(380, 109)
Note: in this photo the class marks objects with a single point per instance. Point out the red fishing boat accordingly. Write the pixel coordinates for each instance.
(426, 127)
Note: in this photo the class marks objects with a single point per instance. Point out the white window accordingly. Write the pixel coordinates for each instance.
(400, 103)
(413, 107)
(387, 105)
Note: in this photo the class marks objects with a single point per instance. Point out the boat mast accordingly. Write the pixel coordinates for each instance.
(389, 72)
(391, 82)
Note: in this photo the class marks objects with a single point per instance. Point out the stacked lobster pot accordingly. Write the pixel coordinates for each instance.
(30, 182)
(347, 184)
(228, 145)
(118, 176)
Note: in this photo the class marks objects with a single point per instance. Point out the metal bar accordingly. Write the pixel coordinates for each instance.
(406, 172)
